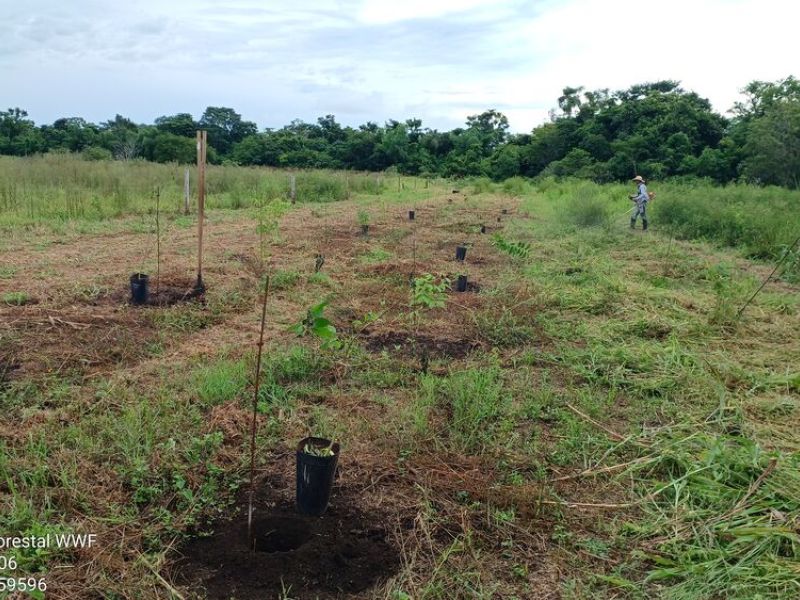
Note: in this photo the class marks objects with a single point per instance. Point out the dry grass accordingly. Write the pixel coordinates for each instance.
(130, 399)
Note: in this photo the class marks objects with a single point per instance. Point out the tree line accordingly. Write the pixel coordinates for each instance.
(656, 129)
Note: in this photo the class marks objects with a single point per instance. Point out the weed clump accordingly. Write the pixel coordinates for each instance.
(588, 211)
(734, 535)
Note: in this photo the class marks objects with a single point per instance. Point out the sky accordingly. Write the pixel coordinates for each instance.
(372, 60)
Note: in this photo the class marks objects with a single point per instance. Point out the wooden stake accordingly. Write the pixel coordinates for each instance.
(292, 189)
(202, 138)
(186, 191)
(158, 240)
(255, 414)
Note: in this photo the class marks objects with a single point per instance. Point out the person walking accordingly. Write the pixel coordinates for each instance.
(641, 197)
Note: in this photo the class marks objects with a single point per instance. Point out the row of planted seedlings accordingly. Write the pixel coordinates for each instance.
(461, 284)
(316, 458)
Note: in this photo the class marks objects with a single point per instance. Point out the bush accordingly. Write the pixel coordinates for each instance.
(516, 186)
(95, 153)
(482, 185)
(588, 208)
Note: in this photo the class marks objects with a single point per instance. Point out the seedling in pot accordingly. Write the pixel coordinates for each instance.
(483, 228)
(411, 215)
(320, 260)
(139, 291)
(461, 283)
(461, 253)
(316, 469)
(315, 450)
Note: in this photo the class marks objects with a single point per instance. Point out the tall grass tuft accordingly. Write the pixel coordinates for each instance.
(588, 205)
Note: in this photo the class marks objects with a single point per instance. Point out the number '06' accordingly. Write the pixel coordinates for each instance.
(8, 563)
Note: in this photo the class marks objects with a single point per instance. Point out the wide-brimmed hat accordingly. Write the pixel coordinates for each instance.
(637, 178)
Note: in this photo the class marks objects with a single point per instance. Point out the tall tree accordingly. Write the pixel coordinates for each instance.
(182, 124)
(225, 127)
(773, 146)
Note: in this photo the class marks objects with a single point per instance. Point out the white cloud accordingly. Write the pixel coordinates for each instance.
(375, 60)
(387, 11)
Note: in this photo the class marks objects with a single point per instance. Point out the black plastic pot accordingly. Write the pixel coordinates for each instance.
(461, 283)
(318, 262)
(505, 211)
(139, 288)
(461, 253)
(483, 228)
(315, 476)
(365, 229)
(411, 215)
(499, 219)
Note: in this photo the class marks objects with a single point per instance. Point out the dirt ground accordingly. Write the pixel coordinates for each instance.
(392, 516)
(77, 323)
(77, 315)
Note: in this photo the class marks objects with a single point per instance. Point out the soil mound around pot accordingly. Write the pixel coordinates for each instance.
(341, 553)
(408, 344)
(167, 293)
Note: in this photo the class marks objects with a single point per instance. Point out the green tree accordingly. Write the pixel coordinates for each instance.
(570, 100)
(168, 147)
(18, 134)
(773, 146)
(70, 133)
(182, 124)
(225, 127)
(121, 136)
(491, 127)
(504, 162)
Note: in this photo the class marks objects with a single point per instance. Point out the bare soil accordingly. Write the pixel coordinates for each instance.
(410, 344)
(337, 555)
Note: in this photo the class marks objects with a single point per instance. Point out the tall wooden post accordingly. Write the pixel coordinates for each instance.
(202, 138)
(186, 191)
(292, 188)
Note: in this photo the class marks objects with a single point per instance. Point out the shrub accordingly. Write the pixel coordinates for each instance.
(588, 208)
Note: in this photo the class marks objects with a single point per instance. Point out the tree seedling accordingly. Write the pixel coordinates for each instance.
(363, 220)
(322, 451)
(426, 293)
(315, 323)
(511, 247)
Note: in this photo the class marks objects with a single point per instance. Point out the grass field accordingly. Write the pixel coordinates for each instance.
(591, 419)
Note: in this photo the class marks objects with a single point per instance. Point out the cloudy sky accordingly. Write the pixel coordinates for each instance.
(438, 60)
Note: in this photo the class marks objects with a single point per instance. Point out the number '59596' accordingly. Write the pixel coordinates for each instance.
(30, 584)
